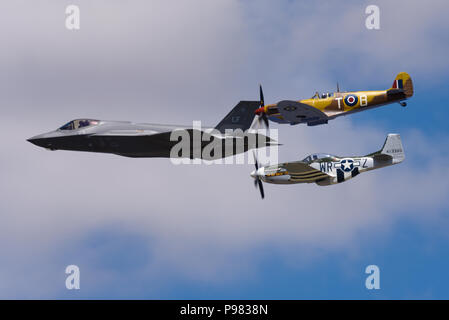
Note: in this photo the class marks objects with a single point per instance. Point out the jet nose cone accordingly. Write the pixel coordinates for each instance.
(41, 141)
(35, 141)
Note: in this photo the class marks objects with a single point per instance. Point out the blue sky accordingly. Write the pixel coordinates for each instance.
(143, 228)
(412, 259)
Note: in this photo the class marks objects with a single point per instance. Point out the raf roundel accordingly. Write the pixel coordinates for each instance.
(351, 100)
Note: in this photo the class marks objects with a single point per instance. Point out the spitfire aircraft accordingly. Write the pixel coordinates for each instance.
(321, 108)
(326, 169)
(154, 140)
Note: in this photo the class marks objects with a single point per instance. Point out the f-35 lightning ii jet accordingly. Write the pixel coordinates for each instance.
(154, 140)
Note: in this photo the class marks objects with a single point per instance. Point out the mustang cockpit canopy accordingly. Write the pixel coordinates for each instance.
(79, 123)
(317, 156)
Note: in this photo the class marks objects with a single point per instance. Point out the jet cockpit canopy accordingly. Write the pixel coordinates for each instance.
(79, 123)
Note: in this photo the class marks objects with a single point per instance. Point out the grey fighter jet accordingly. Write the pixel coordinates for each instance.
(154, 140)
(326, 169)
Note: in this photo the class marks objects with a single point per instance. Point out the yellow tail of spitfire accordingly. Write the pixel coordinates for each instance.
(403, 81)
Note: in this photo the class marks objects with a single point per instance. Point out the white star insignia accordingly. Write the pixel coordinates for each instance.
(346, 165)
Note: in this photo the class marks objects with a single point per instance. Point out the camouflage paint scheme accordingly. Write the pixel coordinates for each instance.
(324, 169)
(319, 109)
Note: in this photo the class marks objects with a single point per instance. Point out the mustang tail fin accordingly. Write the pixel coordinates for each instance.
(403, 82)
(393, 147)
(241, 117)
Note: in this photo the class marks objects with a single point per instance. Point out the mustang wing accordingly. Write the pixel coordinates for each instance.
(302, 172)
(296, 112)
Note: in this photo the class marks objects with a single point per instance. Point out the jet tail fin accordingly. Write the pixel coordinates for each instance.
(393, 147)
(403, 82)
(240, 117)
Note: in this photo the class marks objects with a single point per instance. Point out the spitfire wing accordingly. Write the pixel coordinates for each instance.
(302, 172)
(296, 112)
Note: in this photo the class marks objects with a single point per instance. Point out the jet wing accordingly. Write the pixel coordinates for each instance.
(137, 129)
(158, 141)
(296, 112)
(302, 172)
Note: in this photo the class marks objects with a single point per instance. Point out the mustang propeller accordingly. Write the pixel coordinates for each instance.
(257, 180)
(261, 111)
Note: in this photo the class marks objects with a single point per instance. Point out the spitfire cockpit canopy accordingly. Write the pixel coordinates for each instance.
(79, 123)
(325, 95)
(317, 156)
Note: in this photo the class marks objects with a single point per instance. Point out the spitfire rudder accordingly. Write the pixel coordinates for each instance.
(403, 81)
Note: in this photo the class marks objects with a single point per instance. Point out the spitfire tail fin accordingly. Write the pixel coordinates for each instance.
(403, 82)
(393, 147)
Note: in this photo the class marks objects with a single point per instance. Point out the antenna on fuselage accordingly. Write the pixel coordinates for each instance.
(338, 87)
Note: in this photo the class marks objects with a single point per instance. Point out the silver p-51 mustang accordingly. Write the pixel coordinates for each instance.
(326, 169)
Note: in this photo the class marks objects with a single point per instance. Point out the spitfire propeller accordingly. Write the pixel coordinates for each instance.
(255, 175)
(262, 117)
